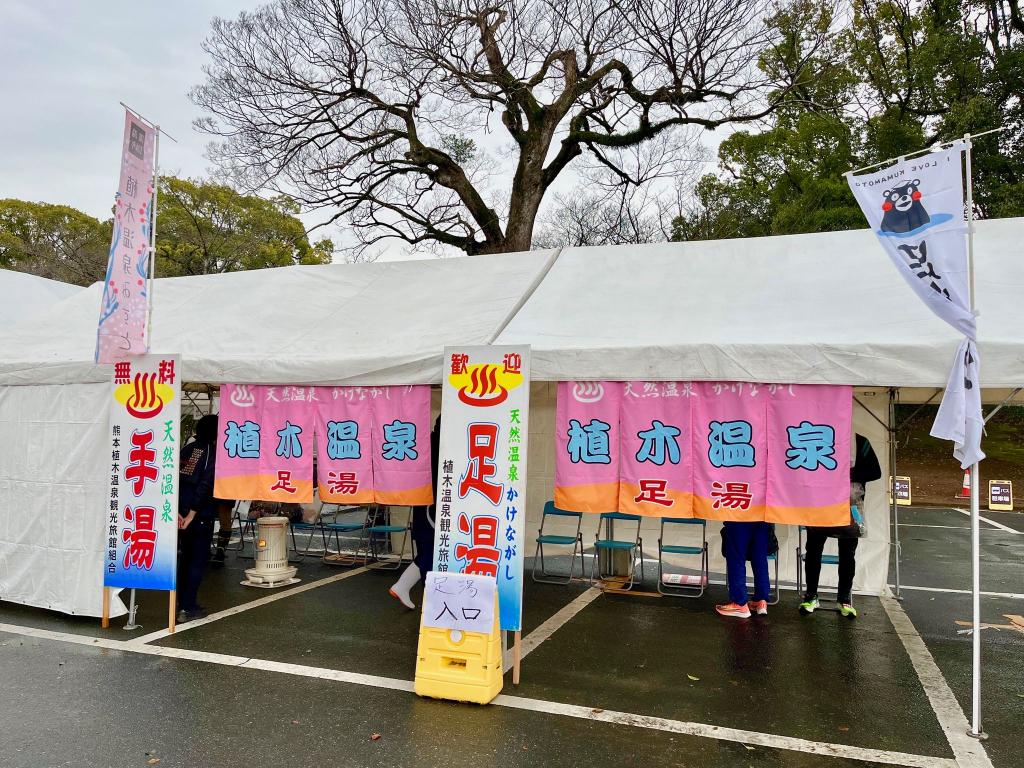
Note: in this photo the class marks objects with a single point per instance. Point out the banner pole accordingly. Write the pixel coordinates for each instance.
(172, 600)
(517, 656)
(975, 730)
(152, 239)
(105, 620)
(892, 489)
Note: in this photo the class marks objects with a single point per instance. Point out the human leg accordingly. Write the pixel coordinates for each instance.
(758, 554)
(195, 545)
(847, 569)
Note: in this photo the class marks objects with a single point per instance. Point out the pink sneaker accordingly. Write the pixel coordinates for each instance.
(760, 607)
(734, 610)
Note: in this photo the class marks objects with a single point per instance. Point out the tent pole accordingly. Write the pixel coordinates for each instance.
(975, 729)
(892, 487)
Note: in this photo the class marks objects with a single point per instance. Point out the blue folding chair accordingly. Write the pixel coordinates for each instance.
(634, 546)
(683, 590)
(552, 539)
(376, 532)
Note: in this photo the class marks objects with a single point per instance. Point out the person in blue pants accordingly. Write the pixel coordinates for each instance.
(742, 542)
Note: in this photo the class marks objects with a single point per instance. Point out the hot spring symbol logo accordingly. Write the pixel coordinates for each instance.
(485, 384)
(903, 213)
(144, 397)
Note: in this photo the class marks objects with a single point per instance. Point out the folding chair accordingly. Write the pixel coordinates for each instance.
(634, 547)
(800, 555)
(317, 524)
(239, 515)
(346, 527)
(552, 539)
(683, 589)
(375, 532)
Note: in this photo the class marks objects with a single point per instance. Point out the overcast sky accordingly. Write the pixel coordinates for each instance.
(64, 66)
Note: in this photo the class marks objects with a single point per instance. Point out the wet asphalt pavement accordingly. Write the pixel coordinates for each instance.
(820, 678)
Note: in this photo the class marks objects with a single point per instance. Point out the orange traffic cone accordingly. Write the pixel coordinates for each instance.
(965, 491)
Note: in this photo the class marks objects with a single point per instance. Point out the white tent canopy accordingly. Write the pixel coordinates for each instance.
(24, 297)
(821, 308)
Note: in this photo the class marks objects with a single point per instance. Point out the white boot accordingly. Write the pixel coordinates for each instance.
(400, 591)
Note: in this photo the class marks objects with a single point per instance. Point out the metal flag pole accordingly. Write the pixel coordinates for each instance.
(975, 729)
(132, 608)
(151, 268)
(893, 501)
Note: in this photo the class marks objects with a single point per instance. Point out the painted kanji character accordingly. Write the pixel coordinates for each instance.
(659, 444)
(589, 443)
(811, 446)
(288, 445)
(399, 441)
(729, 444)
(342, 440)
(242, 442)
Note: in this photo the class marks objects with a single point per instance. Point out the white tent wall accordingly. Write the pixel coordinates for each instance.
(872, 551)
(53, 497)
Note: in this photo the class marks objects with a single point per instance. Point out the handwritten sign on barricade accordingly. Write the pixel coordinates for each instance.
(265, 447)
(459, 601)
(587, 440)
(713, 450)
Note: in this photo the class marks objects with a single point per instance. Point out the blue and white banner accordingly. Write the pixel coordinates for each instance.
(145, 443)
(916, 209)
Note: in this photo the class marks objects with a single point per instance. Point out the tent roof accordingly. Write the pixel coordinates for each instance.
(24, 296)
(818, 308)
(821, 308)
(382, 323)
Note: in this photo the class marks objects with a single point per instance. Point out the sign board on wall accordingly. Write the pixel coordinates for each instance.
(144, 432)
(481, 493)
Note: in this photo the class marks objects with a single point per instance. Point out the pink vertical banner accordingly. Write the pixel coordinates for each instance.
(344, 446)
(656, 469)
(265, 447)
(401, 446)
(587, 446)
(122, 323)
(809, 434)
(729, 443)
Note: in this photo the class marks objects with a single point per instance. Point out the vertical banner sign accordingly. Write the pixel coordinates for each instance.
(657, 460)
(809, 434)
(122, 323)
(482, 469)
(401, 457)
(587, 445)
(730, 449)
(344, 449)
(142, 534)
(916, 209)
(265, 447)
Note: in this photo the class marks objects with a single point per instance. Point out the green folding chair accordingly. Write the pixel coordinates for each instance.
(634, 546)
(684, 589)
(552, 539)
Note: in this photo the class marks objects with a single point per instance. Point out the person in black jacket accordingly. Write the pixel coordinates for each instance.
(863, 470)
(197, 510)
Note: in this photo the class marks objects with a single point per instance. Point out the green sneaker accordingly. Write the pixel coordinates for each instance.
(847, 610)
(807, 607)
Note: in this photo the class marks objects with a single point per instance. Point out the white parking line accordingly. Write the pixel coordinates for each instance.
(558, 620)
(701, 730)
(1002, 527)
(162, 633)
(968, 752)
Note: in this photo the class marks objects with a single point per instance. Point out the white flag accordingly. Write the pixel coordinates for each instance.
(916, 208)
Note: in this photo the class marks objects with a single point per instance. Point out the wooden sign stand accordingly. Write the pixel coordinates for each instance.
(172, 598)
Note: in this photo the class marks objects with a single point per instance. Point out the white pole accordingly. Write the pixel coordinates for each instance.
(152, 239)
(975, 730)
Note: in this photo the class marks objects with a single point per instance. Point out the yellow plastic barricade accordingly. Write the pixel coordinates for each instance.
(459, 666)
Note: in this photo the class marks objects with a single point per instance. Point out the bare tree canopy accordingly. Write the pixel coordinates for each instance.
(447, 121)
